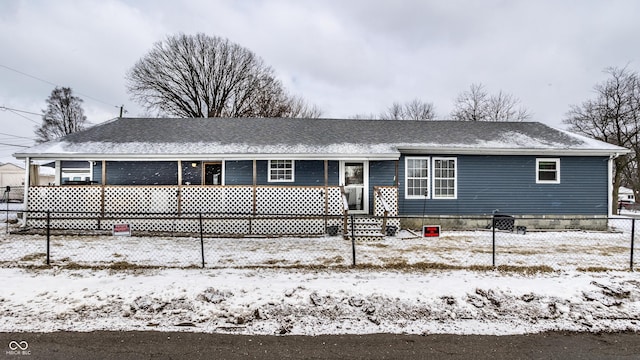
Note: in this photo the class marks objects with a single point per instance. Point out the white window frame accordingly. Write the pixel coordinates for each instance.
(406, 177)
(270, 174)
(455, 178)
(557, 171)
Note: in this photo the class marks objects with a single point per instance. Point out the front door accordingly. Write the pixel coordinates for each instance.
(354, 177)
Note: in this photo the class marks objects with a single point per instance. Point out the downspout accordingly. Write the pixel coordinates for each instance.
(610, 181)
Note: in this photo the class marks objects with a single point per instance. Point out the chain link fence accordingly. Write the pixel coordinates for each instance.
(466, 243)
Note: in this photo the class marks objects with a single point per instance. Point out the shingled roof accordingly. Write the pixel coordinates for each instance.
(329, 138)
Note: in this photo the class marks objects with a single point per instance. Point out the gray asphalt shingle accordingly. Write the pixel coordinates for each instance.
(307, 136)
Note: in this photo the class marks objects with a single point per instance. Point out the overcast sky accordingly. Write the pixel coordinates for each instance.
(347, 57)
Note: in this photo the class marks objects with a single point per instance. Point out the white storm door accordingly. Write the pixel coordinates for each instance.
(354, 176)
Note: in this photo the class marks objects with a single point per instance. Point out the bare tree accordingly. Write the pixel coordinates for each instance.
(363, 116)
(411, 110)
(613, 116)
(477, 104)
(64, 115)
(471, 105)
(208, 76)
(298, 108)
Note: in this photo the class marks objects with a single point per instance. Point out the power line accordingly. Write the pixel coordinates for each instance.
(56, 85)
(22, 111)
(16, 136)
(23, 146)
(17, 112)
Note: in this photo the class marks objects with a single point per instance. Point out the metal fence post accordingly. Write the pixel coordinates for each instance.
(633, 234)
(353, 240)
(48, 236)
(201, 241)
(493, 251)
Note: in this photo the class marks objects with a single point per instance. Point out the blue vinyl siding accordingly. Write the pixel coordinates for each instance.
(508, 183)
(147, 172)
(307, 173)
(238, 172)
(138, 172)
(334, 173)
(381, 173)
(192, 174)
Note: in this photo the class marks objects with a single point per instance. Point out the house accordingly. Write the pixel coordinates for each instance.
(11, 175)
(323, 169)
(12, 178)
(626, 197)
(626, 194)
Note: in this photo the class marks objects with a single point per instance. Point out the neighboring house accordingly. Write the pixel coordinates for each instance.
(11, 175)
(12, 178)
(626, 197)
(312, 167)
(626, 194)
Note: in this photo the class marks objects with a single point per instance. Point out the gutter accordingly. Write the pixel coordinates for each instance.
(194, 157)
(506, 151)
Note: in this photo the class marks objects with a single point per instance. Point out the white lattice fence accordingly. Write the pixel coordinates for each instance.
(390, 195)
(141, 199)
(217, 199)
(304, 201)
(65, 199)
(77, 204)
(290, 200)
(335, 206)
(225, 210)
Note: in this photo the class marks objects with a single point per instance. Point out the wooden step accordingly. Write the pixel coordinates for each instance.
(365, 237)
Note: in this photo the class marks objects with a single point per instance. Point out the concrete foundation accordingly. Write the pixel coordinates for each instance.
(531, 222)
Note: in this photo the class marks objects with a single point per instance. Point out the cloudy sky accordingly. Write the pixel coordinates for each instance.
(347, 57)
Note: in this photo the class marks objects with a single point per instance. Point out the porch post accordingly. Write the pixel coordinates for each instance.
(326, 192)
(255, 183)
(103, 177)
(179, 186)
(396, 177)
(58, 175)
(25, 199)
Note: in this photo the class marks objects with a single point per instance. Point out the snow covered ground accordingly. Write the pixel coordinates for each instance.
(571, 250)
(312, 302)
(232, 296)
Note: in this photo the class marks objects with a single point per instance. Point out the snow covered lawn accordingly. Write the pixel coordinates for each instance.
(312, 302)
(558, 250)
(280, 297)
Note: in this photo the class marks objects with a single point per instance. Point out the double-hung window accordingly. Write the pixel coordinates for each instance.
(444, 178)
(547, 171)
(417, 177)
(281, 171)
(431, 177)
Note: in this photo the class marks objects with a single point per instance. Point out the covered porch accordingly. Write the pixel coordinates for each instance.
(266, 195)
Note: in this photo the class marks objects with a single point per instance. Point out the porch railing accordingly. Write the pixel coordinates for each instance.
(385, 208)
(327, 205)
(345, 209)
